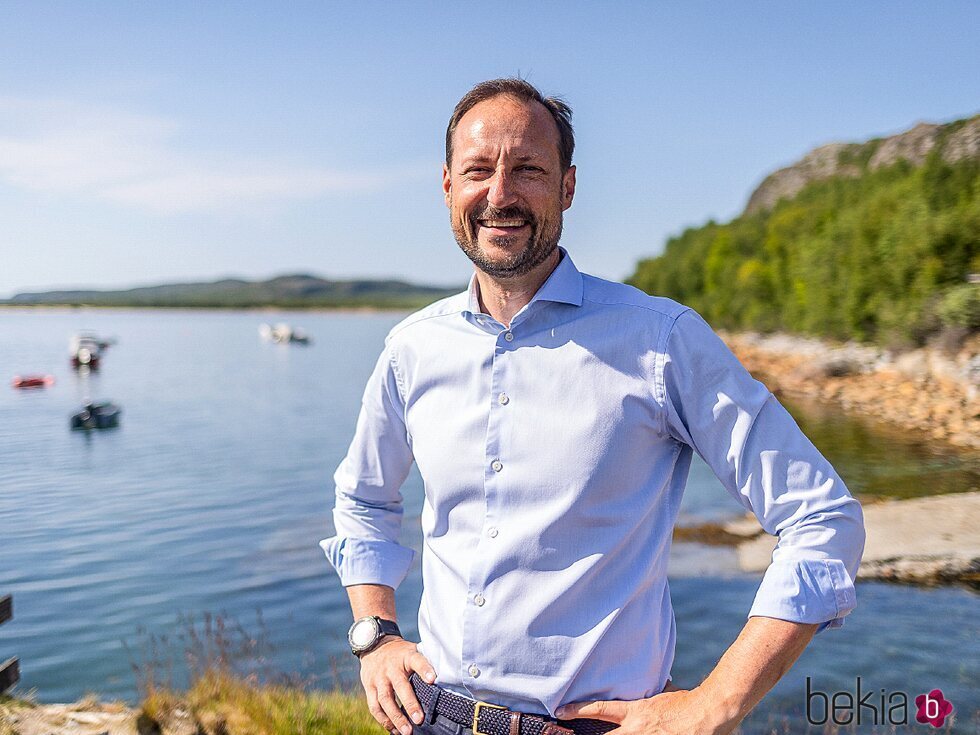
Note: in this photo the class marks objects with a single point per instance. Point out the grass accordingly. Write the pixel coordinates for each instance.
(222, 703)
(231, 687)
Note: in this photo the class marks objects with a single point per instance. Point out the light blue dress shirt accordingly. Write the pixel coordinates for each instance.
(554, 455)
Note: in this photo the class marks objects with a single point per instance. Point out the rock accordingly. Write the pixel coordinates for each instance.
(925, 390)
(924, 540)
(912, 145)
(963, 143)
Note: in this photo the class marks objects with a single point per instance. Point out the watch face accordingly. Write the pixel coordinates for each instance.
(363, 633)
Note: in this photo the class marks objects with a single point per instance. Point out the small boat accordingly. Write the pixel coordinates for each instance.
(32, 381)
(86, 350)
(97, 416)
(282, 333)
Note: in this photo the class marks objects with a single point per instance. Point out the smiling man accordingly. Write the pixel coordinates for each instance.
(553, 417)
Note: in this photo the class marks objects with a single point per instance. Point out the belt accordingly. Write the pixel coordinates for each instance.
(492, 719)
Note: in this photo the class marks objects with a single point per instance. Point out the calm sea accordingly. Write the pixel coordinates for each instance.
(211, 496)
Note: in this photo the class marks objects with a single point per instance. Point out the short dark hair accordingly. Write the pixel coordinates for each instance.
(559, 110)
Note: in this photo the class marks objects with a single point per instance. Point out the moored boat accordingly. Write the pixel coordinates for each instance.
(97, 416)
(86, 350)
(32, 381)
(282, 333)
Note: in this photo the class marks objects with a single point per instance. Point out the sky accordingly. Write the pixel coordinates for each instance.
(144, 143)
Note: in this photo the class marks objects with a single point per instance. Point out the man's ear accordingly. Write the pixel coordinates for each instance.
(568, 188)
(447, 185)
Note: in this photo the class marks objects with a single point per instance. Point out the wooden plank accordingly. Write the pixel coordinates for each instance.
(9, 674)
(6, 608)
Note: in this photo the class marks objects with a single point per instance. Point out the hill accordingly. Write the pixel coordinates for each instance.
(289, 291)
(876, 241)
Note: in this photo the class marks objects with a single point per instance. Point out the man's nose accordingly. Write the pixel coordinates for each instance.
(502, 192)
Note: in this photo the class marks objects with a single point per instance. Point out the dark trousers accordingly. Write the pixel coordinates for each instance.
(433, 724)
(441, 726)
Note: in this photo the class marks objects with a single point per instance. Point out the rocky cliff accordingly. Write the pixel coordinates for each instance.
(956, 141)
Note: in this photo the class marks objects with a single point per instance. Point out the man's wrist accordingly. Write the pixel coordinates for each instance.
(383, 641)
(723, 705)
(366, 633)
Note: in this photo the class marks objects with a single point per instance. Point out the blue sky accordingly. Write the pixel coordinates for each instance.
(149, 142)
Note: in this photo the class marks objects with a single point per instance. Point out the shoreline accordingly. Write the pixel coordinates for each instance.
(925, 541)
(261, 309)
(926, 391)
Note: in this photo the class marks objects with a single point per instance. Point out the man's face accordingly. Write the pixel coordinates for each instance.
(505, 190)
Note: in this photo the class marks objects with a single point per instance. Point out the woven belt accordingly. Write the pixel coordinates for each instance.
(491, 719)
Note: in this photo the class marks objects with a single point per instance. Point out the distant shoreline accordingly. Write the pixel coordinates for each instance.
(247, 309)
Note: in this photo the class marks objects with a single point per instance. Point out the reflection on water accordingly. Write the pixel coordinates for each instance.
(877, 460)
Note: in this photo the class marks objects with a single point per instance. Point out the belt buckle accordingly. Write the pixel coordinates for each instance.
(476, 715)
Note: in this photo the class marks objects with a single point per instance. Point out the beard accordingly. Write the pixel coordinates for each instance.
(541, 242)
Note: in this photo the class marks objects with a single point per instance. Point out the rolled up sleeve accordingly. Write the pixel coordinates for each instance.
(368, 510)
(766, 463)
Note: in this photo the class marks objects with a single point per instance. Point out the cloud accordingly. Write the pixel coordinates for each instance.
(113, 155)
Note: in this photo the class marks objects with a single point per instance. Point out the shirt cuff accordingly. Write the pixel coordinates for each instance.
(368, 561)
(806, 591)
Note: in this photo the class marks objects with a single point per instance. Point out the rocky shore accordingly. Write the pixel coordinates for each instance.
(85, 717)
(930, 391)
(929, 541)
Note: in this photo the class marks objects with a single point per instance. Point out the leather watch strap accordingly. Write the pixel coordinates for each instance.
(388, 627)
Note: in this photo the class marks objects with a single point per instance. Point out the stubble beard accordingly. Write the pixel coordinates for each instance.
(541, 242)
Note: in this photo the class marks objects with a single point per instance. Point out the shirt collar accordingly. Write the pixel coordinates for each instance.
(563, 286)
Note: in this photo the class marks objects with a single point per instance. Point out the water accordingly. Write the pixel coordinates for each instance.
(213, 493)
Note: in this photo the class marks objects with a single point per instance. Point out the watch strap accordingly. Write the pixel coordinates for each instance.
(388, 627)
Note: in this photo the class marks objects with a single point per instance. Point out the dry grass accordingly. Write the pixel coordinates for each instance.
(233, 688)
(220, 703)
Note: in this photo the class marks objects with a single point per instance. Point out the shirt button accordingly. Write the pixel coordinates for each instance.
(496, 465)
(479, 600)
(492, 532)
(474, 670)
(509, 336)
(504, 399)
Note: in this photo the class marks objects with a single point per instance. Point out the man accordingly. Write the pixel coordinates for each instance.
(553, 416)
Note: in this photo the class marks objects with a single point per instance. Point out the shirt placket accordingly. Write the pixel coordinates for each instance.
(479, 607)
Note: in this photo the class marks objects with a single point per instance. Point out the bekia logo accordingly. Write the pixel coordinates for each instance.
(874, 707)
(933, 708)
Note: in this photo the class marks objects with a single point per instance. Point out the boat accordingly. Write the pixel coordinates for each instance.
(86, 350)
(282, 333)
(97, 416)
(32, 381)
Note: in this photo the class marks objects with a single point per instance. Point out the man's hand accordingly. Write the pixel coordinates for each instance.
(673, 712)
(384, 675)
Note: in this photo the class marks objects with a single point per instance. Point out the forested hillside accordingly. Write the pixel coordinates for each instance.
(876, 243)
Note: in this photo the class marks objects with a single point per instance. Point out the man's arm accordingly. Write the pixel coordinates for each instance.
(365, 550)
(386, 668)
(768, 465)
(757, 451)
(764, 651)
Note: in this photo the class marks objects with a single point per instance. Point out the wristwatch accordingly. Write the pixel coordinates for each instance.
(367, 632)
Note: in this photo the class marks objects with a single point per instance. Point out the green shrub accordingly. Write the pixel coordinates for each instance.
(960, 307)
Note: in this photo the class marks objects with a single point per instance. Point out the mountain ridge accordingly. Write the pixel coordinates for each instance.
(290, 289)
(957, 140)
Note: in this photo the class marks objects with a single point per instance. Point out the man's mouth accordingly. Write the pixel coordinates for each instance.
(502, 224)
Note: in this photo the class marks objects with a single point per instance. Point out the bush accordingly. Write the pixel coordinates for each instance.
(960, 307)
